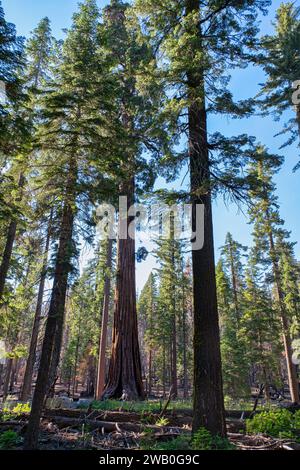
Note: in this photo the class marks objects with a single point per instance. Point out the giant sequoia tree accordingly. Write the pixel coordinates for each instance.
(138, 101)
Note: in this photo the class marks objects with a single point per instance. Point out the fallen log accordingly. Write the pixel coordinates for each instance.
(121, 416)
(108, 427)
(118, 416)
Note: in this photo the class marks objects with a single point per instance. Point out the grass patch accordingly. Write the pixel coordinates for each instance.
(151, 406)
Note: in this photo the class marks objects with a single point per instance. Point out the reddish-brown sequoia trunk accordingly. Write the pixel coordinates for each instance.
(124, 375)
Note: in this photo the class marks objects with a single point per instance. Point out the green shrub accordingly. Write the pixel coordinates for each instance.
(178, 443)
(8, 439)
(204, 440)
(21, 408)
(276, 423)
(9, 413)
(162, 422)
(297, 421)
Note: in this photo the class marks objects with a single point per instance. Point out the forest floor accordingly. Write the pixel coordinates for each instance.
(114, 425)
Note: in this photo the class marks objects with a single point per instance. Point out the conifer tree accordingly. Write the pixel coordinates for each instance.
(169, 254)
(105, 304)
(148, 326)
(40, 57)
(264, 213)
(12, 59)
(234, 362)
(280, 58)
(72, 137)
(19, 302)
(39, 54)
(231, 253)
(260, 328)
(199, 41)
(289, 269)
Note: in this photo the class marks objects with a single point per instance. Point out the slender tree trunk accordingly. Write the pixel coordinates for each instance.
(13, 374)
(234, 285)
(8, 369)
(164, 368)
(103, 337)
(10, 239)
(208, 389)
(1, 375)
(90, 389)
(150, 373)
(56, 308)
(174, 358)
(124, 375)
(184, 339)
(291, 368)
(173, 326)
(76, 362)
(26, 389)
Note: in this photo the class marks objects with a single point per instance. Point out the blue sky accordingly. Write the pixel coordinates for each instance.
(26, 14)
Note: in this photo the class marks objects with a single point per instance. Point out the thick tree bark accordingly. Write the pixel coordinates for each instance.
(27, 382)
(10, 239)
(208, 390)
(105, 312)
(56, 308)
(124, 375)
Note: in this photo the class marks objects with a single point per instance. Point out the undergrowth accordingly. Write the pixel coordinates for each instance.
(8, 440)
(276, 423)
(201, 440)
(8, 413)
